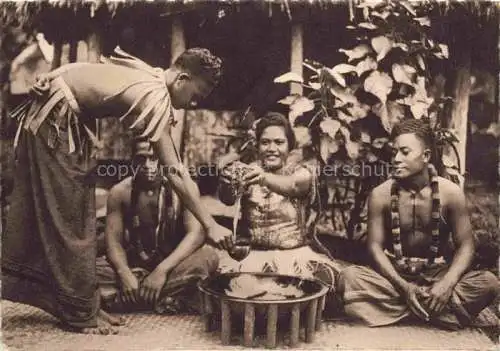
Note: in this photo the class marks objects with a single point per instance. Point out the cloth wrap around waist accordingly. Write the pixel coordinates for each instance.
(49, 243)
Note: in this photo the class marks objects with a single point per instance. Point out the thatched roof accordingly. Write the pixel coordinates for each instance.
(74, 15)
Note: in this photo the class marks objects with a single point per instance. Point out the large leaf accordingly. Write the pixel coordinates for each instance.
(420, 102)
(344, 95)
(358, 111)
(379, 142)
(358, 52)
(337, 76)
(382, 45)
(315, 86)
(344, 68)
(302, 136)
(402, 46)
(368, 64)
(402, 73)
(419, 109)
(311, 67)
(299, 106)
(330, 126)
(289, 77)
(384, 15)
(389, 113)
(408, 7)
(289, 99)
(327, 146)
(352, 147)
(421, 62)
(371, 4)
(365, 138)
(423, 21)
(444, 50)
(379, 84)
(344, 117)
(367, 25)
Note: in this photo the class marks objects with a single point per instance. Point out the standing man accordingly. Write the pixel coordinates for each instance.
(49, 244)
(155, 253)
(417, 272)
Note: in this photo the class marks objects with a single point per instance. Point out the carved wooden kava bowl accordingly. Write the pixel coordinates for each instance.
(261, 299)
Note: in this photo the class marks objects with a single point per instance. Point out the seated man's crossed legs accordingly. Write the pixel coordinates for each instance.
(179, 294)
(370, 297)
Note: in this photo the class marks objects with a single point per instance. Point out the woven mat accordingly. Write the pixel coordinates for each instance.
(27, 328)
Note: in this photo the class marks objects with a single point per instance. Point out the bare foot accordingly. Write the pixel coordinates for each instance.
(105, 325)
(103, 328)
(113, 320)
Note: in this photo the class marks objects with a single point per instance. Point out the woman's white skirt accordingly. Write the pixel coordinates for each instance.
(301, 262)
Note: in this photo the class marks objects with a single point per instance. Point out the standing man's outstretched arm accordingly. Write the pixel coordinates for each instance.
(187, 190)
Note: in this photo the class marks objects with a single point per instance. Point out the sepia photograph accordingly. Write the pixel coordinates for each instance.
(238, 174)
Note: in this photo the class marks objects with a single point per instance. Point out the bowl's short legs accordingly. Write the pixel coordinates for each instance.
(249, 327)
(294, 325)
(272, 325)
(225, 322)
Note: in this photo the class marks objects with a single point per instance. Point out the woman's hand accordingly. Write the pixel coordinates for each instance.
(255, 175)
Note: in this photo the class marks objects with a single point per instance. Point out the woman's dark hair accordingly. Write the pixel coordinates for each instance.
(279, 120)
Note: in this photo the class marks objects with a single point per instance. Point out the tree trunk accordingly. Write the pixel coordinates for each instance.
(459, 89)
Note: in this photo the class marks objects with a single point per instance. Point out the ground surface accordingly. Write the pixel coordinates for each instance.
(27, 328)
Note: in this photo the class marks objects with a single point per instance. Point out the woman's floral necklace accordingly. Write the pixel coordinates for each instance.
(414, 265)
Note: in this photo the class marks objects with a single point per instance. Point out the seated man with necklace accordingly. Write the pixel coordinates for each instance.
(421, 244)
(155, 253)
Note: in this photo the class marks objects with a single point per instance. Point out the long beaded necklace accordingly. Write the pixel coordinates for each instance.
(413, 265)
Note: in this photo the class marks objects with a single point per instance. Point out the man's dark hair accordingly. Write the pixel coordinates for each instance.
(201, 63)
(420, 128)
(276, 119)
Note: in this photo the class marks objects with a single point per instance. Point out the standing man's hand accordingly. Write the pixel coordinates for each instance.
(412, 292)
(221, 236)
(130, 287)
(151, 286)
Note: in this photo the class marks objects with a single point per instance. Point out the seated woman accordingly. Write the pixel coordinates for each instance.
(274, 197)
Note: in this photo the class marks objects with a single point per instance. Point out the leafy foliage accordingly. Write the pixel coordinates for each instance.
(383, 79)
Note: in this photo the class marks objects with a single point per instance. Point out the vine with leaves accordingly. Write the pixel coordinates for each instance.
(384, 78)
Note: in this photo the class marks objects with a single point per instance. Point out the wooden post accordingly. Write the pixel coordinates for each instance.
(208, 311)
(177, 47)
(225, 333)
(319, 314)
(94, 49)
(312, 311)
(296, 56)
(249, 327)
(294, 325)
(56, 61)
(73, 50)
(272, 325)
